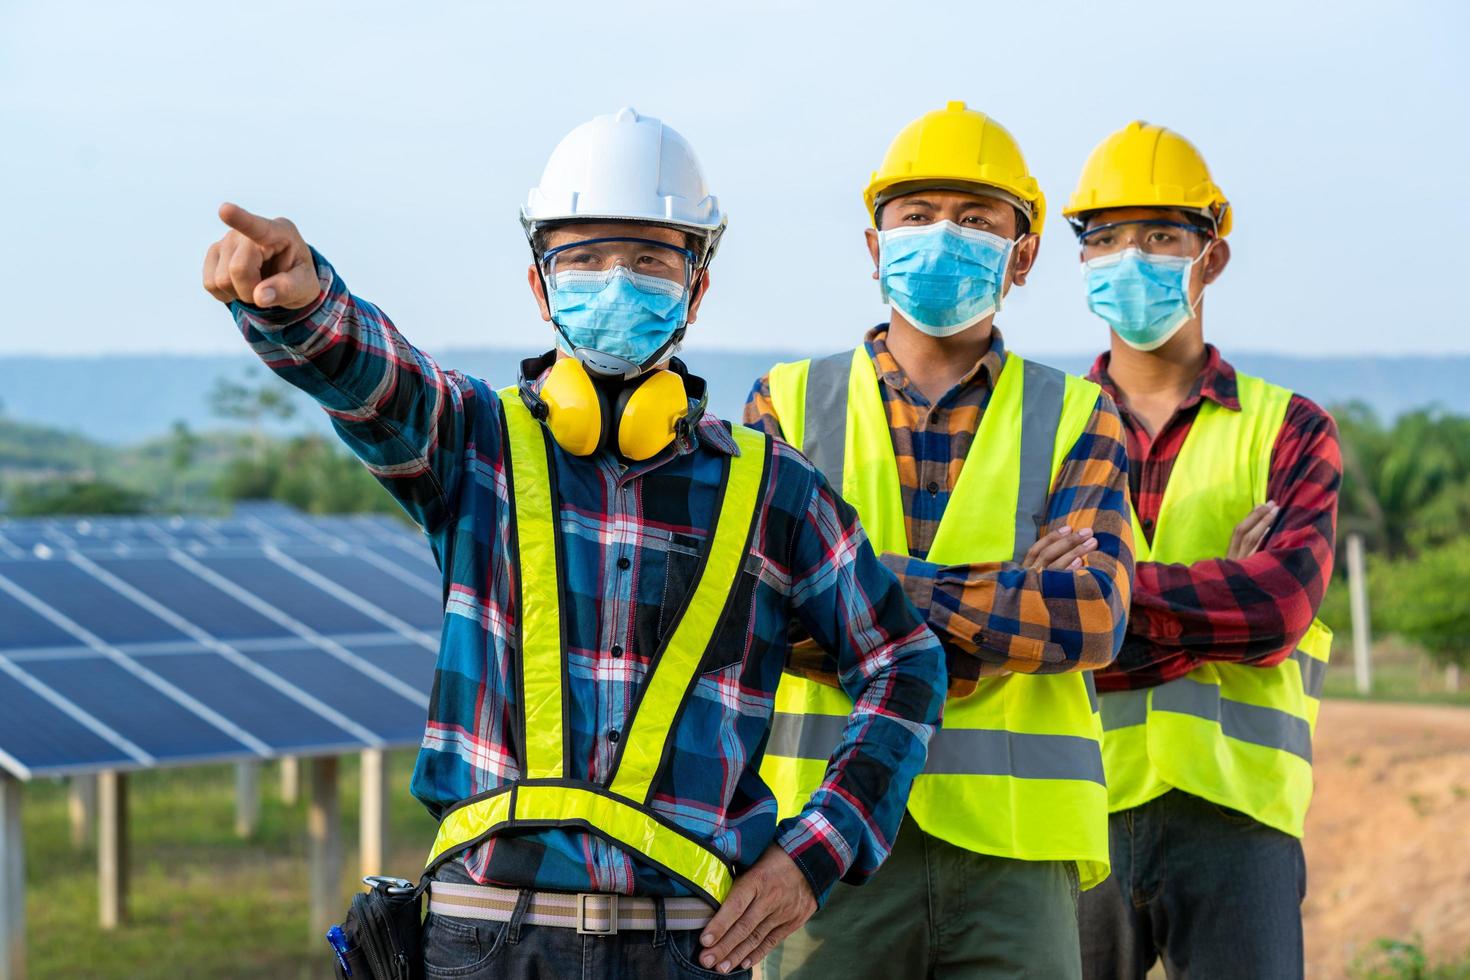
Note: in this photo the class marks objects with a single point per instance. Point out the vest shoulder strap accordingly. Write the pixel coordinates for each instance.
(1041, 415)
(540, 629)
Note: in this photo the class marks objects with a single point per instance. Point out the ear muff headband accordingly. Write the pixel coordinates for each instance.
(644, 416)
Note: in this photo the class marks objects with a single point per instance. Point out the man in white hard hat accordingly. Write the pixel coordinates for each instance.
(995, 487)
(620, 571)
(1209, 712)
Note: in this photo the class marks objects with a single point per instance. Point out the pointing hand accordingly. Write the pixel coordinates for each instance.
(261, 261)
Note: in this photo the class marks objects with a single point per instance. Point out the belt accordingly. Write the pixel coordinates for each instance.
(591, 913)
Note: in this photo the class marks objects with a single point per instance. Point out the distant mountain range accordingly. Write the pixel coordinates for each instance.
(125, 398)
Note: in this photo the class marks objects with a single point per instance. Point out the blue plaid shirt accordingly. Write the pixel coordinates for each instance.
(632, 537)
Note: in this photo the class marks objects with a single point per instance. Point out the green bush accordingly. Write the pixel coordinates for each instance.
(309, 473)
(75, 497)
(1423, 600)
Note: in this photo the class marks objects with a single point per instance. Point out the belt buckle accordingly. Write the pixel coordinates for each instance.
(612, 914)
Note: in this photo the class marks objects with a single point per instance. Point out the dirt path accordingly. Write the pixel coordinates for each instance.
(1388, 835)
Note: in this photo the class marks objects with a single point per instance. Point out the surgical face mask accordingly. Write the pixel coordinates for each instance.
(1144, 298)
(624, 316)
(941, 277)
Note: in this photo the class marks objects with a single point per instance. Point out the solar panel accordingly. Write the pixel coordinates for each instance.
(132, 642)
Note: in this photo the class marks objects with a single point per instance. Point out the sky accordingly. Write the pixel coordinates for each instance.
(402, 138)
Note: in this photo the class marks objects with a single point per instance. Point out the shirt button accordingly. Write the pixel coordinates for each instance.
(933, 488)
(617, 651)
(978, 639)
(624, 563)
(613, 735)
(933, 416)
(1148, 523)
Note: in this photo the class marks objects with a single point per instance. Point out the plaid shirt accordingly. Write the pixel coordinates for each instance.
(997, 616)
(632, 538)
(1252, 611)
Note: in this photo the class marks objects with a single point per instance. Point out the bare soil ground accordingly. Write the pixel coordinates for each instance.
(1388, 835)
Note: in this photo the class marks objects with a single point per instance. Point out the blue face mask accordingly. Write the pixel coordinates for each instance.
(941, 277)
(1144, 298)
(621, 314)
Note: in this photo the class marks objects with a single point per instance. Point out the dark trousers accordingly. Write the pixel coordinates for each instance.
(935, 911)
(1206, 889)
(474, 949)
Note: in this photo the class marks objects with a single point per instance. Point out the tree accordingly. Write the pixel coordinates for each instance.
(1407, 487)
(252, 404)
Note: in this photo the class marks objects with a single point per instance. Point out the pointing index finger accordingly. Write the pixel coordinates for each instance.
(252, 226)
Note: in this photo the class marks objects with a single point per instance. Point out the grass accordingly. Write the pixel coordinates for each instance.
(201, 902)
(1392, 959)
(1399, 674)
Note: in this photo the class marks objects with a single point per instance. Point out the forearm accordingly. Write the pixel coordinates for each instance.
(391, 404)
(1000, 616)
(848, 826)
(892, 668)
(1254, 610)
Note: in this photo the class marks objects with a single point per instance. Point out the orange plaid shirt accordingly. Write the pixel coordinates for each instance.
(996, 617)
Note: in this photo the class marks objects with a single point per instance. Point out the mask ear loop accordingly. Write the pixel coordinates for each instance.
(1005, 287)
(1194, 306)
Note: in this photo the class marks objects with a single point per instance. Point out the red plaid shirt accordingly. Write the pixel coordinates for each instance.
(1252, 611)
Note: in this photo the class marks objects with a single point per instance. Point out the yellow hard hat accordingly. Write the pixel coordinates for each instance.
(958, 145)
(1147, 166)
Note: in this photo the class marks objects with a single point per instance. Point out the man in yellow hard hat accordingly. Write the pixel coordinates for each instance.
(995, 488)
(1209, 711)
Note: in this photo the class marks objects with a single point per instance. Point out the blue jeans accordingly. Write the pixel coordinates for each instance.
(472, 949)
(1207, 889)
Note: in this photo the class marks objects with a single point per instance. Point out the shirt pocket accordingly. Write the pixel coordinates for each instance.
(735, 635)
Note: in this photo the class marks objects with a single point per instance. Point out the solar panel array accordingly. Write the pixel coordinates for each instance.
(130, 643)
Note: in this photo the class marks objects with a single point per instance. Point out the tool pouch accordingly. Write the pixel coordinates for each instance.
(384, 932)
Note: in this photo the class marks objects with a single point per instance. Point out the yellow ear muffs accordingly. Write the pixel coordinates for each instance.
(649, 414)
(575, 413)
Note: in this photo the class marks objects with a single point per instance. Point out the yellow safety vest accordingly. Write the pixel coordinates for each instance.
(1237, 735)
(619, 810)
(1016, 771)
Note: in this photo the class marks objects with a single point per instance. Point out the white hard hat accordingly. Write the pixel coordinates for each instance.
(625, 167)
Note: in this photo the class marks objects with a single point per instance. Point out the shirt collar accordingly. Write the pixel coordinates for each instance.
(985, 373)
(714, 434)
(1215, 381)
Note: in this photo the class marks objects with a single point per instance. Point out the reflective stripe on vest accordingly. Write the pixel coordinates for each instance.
(1237, 735)
(1023, 750)
(620, 811)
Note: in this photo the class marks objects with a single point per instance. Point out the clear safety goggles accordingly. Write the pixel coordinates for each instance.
(642, 256)
(1148, 236)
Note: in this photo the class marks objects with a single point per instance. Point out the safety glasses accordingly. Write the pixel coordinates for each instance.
(1152, 237)
(638, 255)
